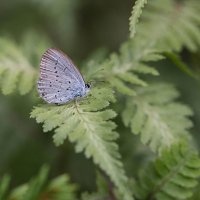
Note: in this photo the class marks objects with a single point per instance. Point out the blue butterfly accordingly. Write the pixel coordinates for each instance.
(60, 81)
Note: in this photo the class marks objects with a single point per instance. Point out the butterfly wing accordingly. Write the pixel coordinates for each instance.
(67, 63)
(60, 81)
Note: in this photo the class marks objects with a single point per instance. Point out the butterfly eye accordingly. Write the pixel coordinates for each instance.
(87, 85)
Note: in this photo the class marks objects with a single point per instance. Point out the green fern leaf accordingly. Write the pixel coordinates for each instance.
(15, 69)
(83, 122)
(171, 25)
(32, 190)
(58, 189)
(123, 70)
(172, 176)
(136, 13)
(156, 116)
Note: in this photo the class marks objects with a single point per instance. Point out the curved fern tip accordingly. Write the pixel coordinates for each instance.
(135, 15)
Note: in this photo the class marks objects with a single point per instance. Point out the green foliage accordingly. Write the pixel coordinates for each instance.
(169, 26)
(171, 176)
(33, 189)
(136, 13)
(150, 109)
(156, 116)
(92, 130)
(181, 65)
(163, 22)
(57, 189)
(196, 194)
(94, 196)
(18, 61)
(104, 189)
(122, 70)
(15, 69)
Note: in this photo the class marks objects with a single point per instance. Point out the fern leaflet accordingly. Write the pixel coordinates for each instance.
(122, 70)
(173, 176)
(83, 122)
(170, 24)
(15, 69)
(155, 115)
(136, 13)
(58, 188)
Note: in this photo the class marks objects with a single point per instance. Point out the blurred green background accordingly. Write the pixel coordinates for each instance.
(79, 28)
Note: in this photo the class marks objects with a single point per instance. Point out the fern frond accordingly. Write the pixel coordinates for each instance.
(172, 176)
(58, 188)
(171, 25)
(164, 22)
(15, 69)
(135, 14)
(32, 190)
(156, 116)
(83, 122)
(123, 70)
(61, 188)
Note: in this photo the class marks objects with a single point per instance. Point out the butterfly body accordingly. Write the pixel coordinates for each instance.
(60, 81)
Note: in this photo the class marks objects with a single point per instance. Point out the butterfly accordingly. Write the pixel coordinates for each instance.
(60, 81)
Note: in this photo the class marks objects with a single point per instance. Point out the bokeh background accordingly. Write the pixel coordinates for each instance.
(79, 28)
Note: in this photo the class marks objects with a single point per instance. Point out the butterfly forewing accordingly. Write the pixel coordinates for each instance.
(60, 81)
(66, 63)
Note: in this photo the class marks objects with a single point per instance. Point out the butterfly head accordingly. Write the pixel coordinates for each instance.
(87, 87)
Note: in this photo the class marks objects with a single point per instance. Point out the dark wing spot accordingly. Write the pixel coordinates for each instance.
(56, 96)
(56, 62)
(57, 76)
(56, 72)
(69, 81)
